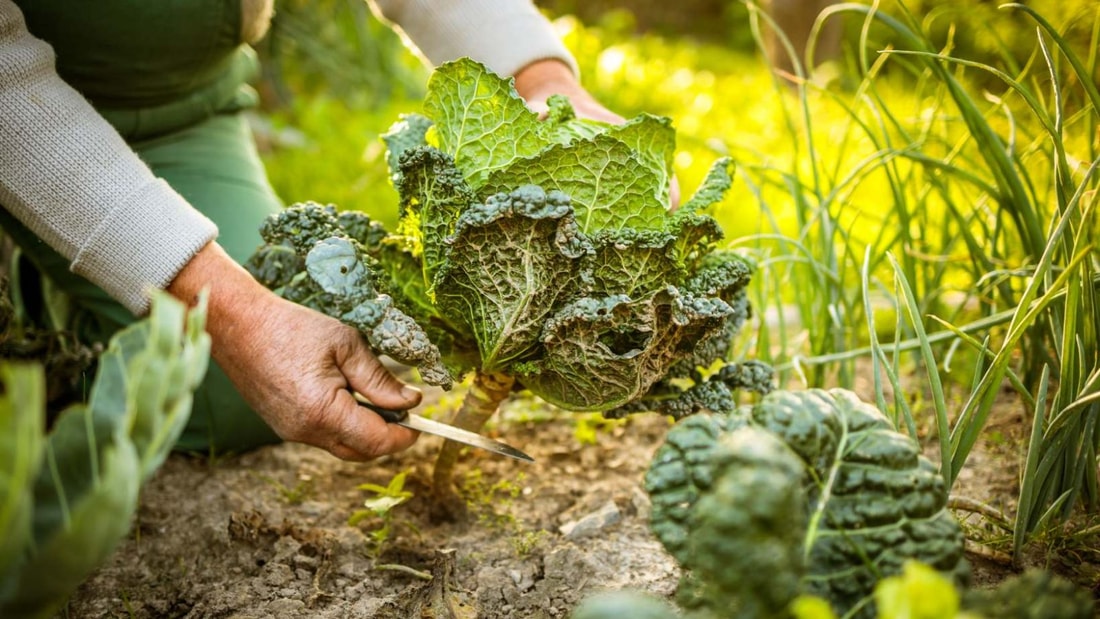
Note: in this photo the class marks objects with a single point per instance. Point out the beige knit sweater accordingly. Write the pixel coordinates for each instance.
(69, 177)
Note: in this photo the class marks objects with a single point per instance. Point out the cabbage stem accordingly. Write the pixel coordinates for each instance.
(486, 393)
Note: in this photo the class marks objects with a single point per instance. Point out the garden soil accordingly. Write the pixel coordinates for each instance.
(267, 533)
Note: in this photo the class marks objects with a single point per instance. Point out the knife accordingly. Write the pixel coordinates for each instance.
(423, 424)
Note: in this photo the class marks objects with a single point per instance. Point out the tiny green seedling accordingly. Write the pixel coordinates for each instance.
(381, 506)
(292, 495)
(492, 504)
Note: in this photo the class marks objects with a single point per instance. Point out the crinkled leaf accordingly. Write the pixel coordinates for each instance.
(878, 502)
(496, 285)
(562, 125)
(339, 267)
(654, 139)
(433, 195)
(408, 132)
(695, 235)
(510, 264)
(697, 232)
(714, 187)
(873, 501)
(745, 544)
(300, 226)
(601, 353)
(358, 226)
(335, 265)
(721, 273)
(400, 275)
(480, 120)
(401, 279)
(633, 262)
(338, 280)
(680, 471)
(609, 185)
(275, 266)
(665, 398)
(396, 334)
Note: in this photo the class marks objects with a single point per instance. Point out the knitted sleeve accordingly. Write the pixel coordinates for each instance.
(504, 35)
(72, 180)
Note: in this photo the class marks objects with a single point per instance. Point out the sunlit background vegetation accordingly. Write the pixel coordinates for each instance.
(921, 209)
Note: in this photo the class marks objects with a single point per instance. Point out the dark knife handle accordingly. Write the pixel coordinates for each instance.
(389, 414)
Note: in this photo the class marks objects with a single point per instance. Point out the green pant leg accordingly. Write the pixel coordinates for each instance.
(214, 165)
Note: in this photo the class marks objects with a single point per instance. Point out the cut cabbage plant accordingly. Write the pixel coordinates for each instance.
(67, 495)
(531, 253)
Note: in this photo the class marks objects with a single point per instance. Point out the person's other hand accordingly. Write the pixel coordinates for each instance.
(541, 79)
(294, 366)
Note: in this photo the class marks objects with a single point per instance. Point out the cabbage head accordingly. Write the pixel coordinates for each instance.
(543, 249)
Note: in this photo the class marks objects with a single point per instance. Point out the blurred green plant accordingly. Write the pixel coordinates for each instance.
(334, 79)
(291, 495)
(982, 31)
(587, 427)
(68, 493)
(336, 48)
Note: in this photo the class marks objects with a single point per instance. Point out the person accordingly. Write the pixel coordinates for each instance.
(126, 164)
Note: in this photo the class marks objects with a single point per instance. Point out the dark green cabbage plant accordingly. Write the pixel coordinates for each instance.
(810, 505)
(533, 253)
(68, 494)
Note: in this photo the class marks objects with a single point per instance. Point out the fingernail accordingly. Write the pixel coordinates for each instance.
(411, 393)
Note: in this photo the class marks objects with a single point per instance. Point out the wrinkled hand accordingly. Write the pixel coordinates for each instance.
(295, 366)
(541, 79)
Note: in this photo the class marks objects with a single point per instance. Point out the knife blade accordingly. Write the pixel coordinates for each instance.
(423, 424)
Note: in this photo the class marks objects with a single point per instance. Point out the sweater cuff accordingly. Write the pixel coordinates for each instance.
(504, 35)
(154, 233)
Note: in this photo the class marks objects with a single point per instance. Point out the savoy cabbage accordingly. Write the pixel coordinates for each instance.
(533, 253)
(809, 504)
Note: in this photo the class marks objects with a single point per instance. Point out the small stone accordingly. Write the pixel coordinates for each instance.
(306, 562)
(278, 575)
(286, 608)
(286, 547)
(607, 515)
(314, 509)
(523, 579)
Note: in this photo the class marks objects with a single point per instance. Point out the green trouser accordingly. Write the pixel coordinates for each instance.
(170, 77)
(216, 168)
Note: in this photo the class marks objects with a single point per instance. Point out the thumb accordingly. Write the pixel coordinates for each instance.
(366, 374)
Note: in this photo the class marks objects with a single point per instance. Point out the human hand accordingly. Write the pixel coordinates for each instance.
(541, 79)
(294, 366)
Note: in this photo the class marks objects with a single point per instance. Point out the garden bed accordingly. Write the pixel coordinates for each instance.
(265, 534)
